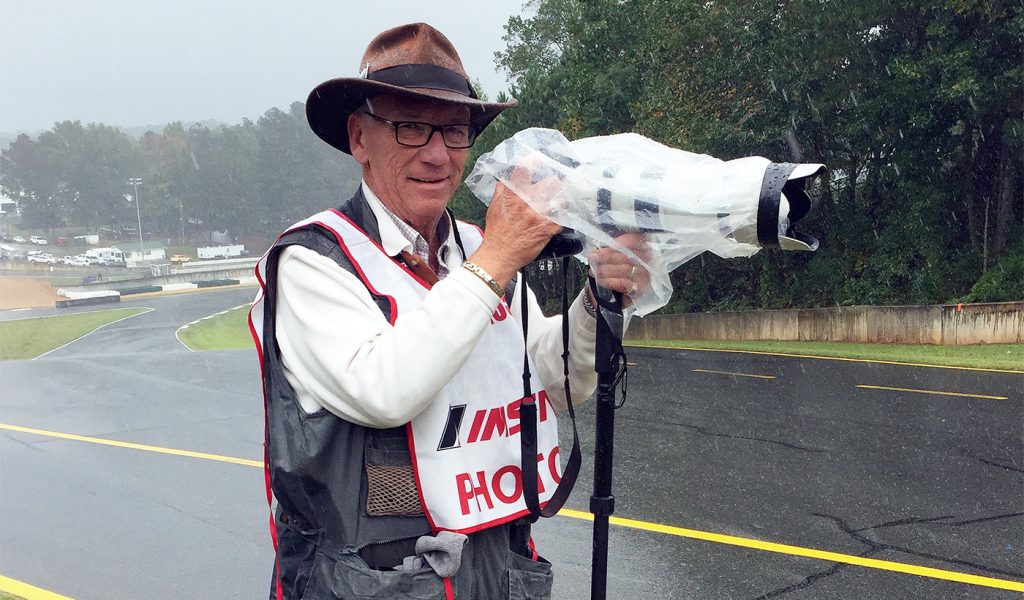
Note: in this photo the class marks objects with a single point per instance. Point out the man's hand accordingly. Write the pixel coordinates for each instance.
(515, 233)
(616, 271)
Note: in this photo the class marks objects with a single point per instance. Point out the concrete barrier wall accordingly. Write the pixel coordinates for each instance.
(239, 272)
(994, 323)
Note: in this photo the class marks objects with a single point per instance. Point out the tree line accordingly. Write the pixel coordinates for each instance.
(914, 106)
(251, 179)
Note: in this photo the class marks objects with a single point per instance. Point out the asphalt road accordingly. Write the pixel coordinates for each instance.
(763, 449)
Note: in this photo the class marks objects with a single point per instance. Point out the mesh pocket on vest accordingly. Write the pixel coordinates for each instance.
(391, 491)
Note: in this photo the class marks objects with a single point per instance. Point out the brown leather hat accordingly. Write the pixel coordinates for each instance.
(416, 61)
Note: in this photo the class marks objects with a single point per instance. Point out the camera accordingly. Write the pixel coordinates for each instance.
(685, 203)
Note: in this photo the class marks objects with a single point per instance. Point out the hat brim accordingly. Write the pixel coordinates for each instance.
(331, 102)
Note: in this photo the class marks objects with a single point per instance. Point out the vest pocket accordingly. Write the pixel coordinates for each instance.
(353, 579)
(528, 579)
(390, 481)
(296, 551)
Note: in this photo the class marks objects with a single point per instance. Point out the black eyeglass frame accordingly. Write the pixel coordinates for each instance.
(472, 130)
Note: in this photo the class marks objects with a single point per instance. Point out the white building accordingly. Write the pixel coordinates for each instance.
(8, 206)
(153, 252)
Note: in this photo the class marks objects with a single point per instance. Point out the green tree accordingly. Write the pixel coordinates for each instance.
(298, 173)
(914, 107)
(71, 174)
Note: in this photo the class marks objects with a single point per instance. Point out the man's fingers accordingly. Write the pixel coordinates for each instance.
(614, 270)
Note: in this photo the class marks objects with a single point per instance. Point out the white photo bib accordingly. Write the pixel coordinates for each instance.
(465, 446)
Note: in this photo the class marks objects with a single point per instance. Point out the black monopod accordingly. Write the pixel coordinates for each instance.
(610, 365)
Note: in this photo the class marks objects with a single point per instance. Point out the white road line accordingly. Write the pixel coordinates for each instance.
(187, 325)
(91, 332)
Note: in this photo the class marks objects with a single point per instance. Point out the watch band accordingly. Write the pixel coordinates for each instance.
(485, 277)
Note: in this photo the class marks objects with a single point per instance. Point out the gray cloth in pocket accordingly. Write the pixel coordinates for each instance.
(441, 552)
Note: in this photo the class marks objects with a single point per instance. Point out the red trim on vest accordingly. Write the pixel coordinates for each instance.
(256, 269)
(259, 353)
(355, 264)
(258, 342)
(449, 593)
(379, 247)
(279, 591)
(494, 523)
(416, 469)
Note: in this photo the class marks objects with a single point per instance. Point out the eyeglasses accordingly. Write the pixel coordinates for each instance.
(416, 135)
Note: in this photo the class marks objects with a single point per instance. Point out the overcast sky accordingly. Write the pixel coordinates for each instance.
(146, 62)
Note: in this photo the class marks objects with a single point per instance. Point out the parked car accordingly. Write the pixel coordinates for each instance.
(43, 258)
(35, 239)
(19, 240)
(79, 261)
(180, 259)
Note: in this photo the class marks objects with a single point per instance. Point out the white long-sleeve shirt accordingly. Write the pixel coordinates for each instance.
(341, 354)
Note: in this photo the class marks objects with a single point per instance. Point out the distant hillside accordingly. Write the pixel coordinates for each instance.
(135, 131)
(6, 137)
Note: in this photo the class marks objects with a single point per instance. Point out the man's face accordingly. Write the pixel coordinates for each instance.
(415, 183)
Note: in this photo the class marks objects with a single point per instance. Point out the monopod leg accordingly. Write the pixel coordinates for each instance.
(607, 364)
(602, 503)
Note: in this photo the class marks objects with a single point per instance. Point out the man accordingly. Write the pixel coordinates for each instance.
(392, 354)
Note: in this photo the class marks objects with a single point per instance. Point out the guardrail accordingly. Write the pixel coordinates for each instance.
(209, 271)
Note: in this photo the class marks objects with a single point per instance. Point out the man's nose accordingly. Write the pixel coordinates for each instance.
(435, 151)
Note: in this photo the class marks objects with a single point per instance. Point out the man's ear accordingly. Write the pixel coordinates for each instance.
(356, 142)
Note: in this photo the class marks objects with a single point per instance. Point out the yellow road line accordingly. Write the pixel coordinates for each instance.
(735, 374)
(119, 444)
(633, 344)
(718, 538)
(29, 592)
(934, 392)
(871, 563)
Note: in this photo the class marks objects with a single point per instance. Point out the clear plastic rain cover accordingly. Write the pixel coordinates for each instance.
(602, 187)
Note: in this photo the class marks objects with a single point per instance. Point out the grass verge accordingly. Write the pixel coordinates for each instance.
(1006, 357)
(28, 338)
(226, 331)
(6, 596)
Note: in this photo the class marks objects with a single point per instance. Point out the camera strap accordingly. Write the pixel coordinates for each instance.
(528, 415)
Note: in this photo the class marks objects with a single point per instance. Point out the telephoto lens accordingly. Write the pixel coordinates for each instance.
(684, 203)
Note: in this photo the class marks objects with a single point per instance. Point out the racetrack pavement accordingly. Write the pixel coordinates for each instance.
(130, 469)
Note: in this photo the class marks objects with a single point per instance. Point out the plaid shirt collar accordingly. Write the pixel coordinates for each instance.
(403, 237)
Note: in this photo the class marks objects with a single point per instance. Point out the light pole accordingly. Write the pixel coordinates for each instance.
(135, 181)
